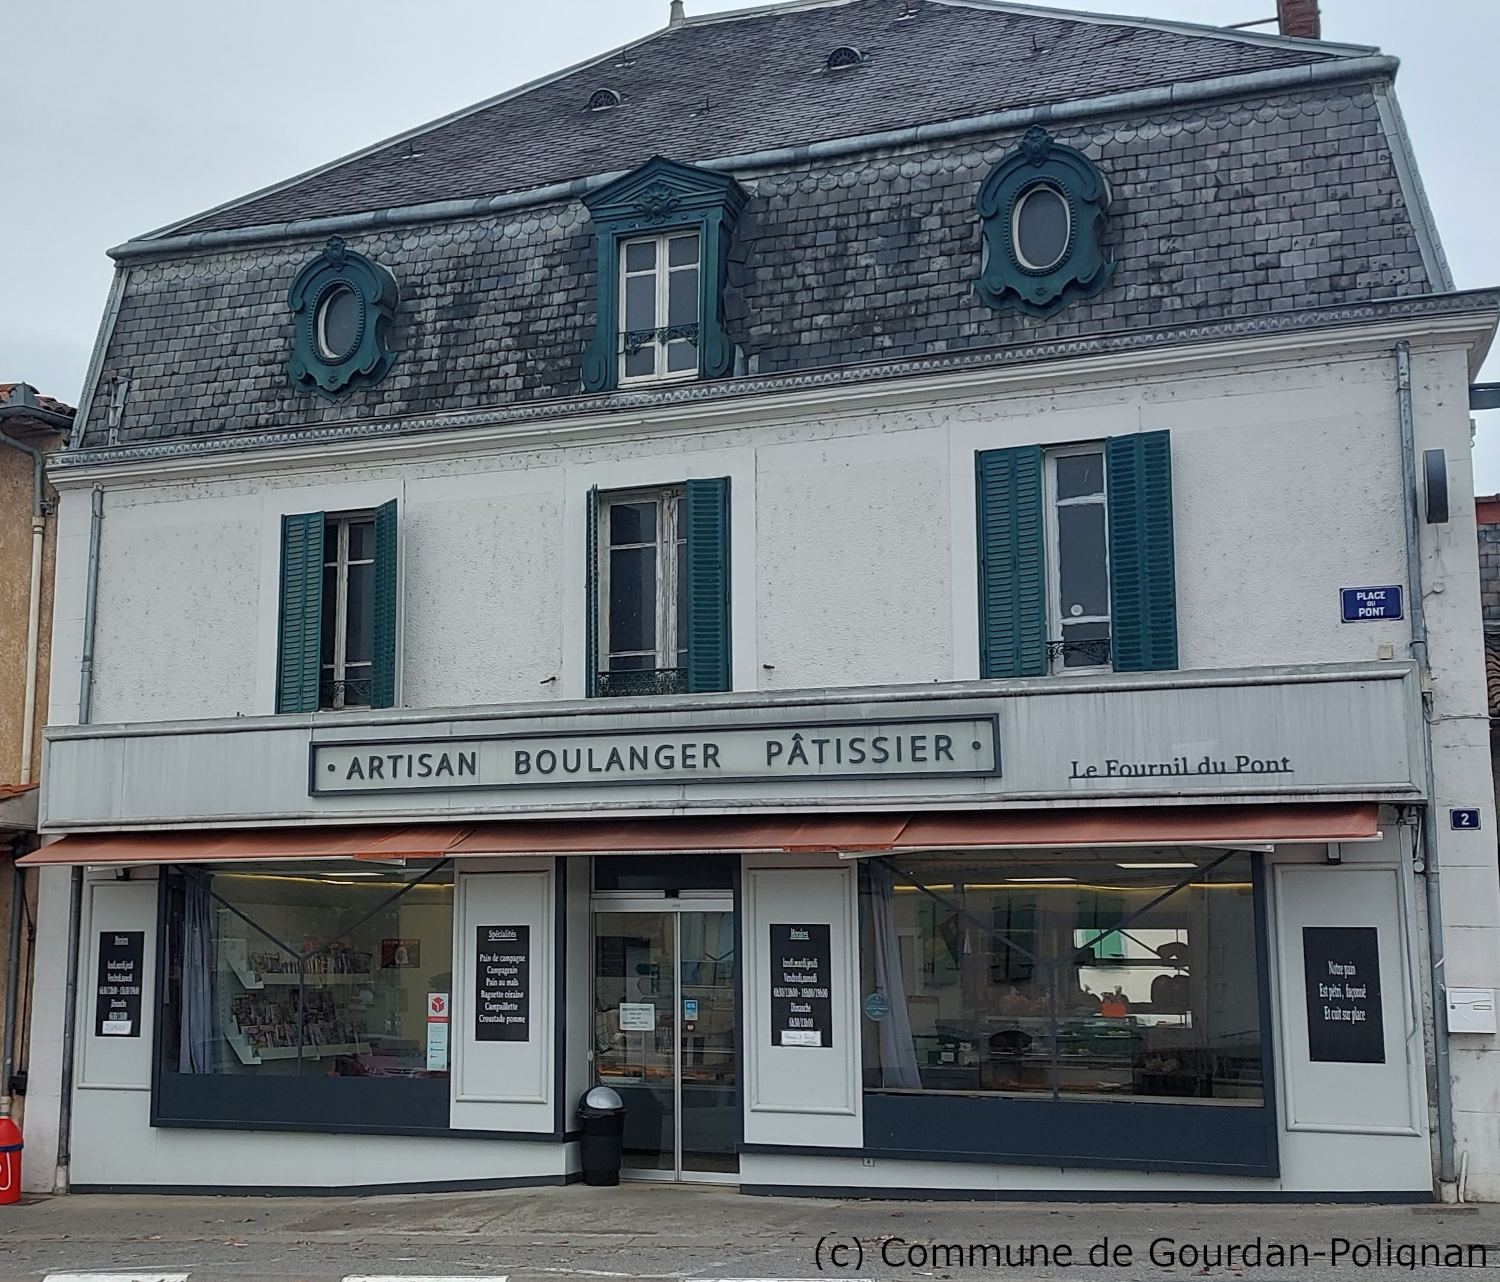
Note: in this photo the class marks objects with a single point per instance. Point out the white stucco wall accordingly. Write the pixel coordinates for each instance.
(853, 543)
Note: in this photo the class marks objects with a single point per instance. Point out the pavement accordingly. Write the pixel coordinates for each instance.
(701, 1233)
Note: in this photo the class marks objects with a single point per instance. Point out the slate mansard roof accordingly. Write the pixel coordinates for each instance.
(1252, 177)
(739, 83)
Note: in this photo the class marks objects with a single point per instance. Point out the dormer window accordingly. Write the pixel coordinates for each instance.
(663, 235)
(659, 307)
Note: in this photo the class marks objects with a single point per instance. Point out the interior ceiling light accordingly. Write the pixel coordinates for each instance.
(1166, 863)
(1040, 881)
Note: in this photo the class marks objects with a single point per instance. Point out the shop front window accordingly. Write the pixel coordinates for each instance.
(282, 978)
(1105, 975)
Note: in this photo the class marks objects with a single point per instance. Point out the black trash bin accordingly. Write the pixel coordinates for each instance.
(602, 1113)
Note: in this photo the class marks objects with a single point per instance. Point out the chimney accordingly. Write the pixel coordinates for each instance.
(678, 17)
(1299, 18)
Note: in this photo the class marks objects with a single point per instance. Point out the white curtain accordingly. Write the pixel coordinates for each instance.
(898, 1057)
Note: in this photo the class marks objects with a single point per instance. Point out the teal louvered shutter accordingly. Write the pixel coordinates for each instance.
(383, 670)
(707, 521)
(591, 601)
(299, 651)
(1012, 578)
(1142, 564)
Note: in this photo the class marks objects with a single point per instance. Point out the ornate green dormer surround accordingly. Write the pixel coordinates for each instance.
(342, 306)
(663, 196)
(1080, 267)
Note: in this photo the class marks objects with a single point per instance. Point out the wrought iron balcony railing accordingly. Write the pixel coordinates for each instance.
(1092, 653)
(642, 681)
(354, 693)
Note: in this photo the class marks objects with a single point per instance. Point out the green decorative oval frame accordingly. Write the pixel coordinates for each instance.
(1085, 268)
(370, 357)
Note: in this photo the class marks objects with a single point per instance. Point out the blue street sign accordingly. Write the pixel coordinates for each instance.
(1467, 820)
(1364, 604)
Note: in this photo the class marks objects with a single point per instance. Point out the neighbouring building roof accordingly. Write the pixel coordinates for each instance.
(9, 790)
(732, 84)
(17, 394)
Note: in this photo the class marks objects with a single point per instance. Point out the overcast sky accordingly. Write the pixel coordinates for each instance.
(120, 118)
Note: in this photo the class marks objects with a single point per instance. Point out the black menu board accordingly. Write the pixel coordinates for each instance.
(117, 1009)
(801, 1008)
(502, 979)
(1344, 1020)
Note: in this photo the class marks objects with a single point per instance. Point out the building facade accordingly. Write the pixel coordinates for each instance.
(31, 429)
(908, 628)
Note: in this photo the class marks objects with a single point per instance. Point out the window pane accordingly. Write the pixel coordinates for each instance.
(682, 603)
(642, 363)
(681, 355)
(640, 303)
(1021, 972)
(1083, 581)
(361, 614)
(338, 322)
(361, 540)
(632, 523)
(640, 256)
(330, 613)
(682, 290)
(632, 600)
(1042, 226)
(1085, 645)
(682, 251)
(1079, 475)
(236, 1006)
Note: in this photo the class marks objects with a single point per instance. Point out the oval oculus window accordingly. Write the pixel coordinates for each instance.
(1042, 228)
(338, 322)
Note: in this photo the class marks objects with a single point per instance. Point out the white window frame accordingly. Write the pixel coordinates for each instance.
(670, 531)
(1053, 555)
(663, 272)
(341, 562)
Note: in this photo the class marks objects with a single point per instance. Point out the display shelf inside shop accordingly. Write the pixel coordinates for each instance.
(310, 1050)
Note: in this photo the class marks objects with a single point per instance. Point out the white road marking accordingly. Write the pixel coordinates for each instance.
(116, 1277)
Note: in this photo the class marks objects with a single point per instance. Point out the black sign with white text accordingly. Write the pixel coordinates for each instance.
(1344, 1020)
(801, 1007)
(122, 956)
(502, 978)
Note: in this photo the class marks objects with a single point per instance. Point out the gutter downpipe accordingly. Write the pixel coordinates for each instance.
(34, 602)
(12, 960)
(70, 1018)
(1431, 880)
(75, 896)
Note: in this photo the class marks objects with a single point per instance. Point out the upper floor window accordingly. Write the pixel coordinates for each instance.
(1078, 559)
(348, 625)
(343, 306)
(642, 591)
(659, 590)
(659, 307)
(336, 647)
(663, 234)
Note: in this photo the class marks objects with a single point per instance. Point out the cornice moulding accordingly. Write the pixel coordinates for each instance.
(1296, 338)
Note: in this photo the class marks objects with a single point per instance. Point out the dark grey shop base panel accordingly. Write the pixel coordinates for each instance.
(1106, 1135)
(347, 1190)
(850, 1192)
(342, 1105)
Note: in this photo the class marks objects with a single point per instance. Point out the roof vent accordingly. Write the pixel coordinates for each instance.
(908, 11)
(844, 57)
(603, 100)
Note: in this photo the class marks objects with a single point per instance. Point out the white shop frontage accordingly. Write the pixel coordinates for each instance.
(1154, 934)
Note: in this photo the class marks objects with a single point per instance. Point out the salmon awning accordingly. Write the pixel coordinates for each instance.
(1230, 827)
(422, 841)
(1220, 826)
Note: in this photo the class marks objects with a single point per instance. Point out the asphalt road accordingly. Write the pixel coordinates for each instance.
(661, 1232)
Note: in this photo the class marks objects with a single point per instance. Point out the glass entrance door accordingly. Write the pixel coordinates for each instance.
(665, 1033)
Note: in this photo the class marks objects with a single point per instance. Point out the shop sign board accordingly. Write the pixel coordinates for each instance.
(1364, 605)
(502, 979)
(801, 1004)
(122, 956)
(1345, 1024)
(818, 751)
